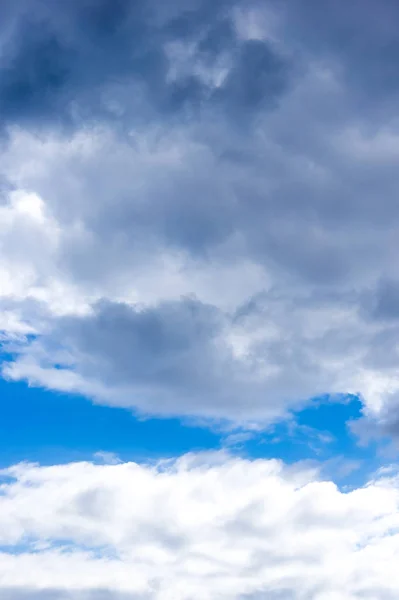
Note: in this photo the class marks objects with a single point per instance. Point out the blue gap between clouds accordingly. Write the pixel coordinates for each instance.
(42, 426)
(47, 427)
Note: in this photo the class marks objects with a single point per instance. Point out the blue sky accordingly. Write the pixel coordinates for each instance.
(60, 428)
(199, 299)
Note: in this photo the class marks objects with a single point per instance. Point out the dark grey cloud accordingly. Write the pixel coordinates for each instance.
(360, 39)
(382, 303)
(162, 345)
(58, 65)
(293, 206)
(33, 78)
(169, 359)
(256, 79)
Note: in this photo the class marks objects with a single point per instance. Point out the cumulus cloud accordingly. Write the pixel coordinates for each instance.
(198, 203)
(202, 526)
(188, 358)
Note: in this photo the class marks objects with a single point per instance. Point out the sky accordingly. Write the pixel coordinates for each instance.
(199, 300)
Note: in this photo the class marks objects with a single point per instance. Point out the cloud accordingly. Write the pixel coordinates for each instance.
(340, 34)
(219, 156)
(188, 358)
(200, 526)
(175, 358)
(93, 60)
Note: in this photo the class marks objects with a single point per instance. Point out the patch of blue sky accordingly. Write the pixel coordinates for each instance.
(321, 433)
(46, 427)
(32, 545)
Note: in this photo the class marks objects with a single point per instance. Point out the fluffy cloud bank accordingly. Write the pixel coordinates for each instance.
(203, 526)
(199, 203)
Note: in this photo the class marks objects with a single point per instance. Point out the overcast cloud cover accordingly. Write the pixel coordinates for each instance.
(199, 218)
(199, 203)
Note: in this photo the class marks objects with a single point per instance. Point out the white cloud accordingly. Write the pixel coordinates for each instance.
(203, 526)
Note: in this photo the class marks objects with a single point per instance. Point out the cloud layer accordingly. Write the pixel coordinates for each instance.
(199, 203)
(203, 526)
